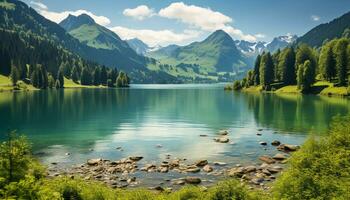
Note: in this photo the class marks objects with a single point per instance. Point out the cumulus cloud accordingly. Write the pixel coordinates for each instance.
(156, 37)
(260, 35)
(140, 12)
(203, 18)
(59, 16)
(315, 18)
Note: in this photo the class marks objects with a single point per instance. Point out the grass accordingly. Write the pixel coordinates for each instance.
(290, 89)
(6, 85)
(68, 83)
(253, 89)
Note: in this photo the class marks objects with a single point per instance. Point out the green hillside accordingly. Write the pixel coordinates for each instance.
(217, 53)
(328, 31)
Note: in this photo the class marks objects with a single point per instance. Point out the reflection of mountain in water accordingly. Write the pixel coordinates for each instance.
(82, 117)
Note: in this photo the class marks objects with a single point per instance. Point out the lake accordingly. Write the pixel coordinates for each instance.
(156, 120)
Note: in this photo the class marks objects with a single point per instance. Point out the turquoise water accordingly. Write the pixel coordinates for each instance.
(90, 123)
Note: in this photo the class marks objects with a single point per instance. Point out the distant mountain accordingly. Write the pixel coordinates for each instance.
(252, 49)
(163, 51)
(138, 46)
(217, 53)
(328, 31)
(280, 42)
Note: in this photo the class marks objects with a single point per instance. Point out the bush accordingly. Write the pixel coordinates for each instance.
(231, 189)
(321, 169)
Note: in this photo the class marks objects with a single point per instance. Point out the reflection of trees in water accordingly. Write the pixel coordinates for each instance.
(295, 112)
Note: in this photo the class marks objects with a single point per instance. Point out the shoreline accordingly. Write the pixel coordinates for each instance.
(173, 173)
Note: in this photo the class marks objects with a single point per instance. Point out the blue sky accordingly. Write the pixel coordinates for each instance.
(162, 22)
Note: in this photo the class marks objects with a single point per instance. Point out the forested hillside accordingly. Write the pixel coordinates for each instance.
(302, 66)
(29, 53)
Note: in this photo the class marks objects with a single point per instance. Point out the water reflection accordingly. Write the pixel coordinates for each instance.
(138, 119)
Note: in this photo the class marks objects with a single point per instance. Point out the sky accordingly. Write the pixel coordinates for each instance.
(164, 22)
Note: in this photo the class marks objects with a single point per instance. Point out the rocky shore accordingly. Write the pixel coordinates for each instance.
(129, 172)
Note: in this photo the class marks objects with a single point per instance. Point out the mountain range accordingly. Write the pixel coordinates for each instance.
(216, 58)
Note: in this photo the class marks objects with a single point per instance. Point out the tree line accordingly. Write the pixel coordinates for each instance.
(301, 65)
(44, 64)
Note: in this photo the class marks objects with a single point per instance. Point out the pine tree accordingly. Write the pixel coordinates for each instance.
(306, 76)
(287, 66)
(277, 70)
(75, 74)
(266, 70)
(257, 70)
(304, 53)
(97, 75)
(327, 62)
(340, 51)
(85, 78)
(60, 78)
(103, 76)
(51, 81)
(15, 75)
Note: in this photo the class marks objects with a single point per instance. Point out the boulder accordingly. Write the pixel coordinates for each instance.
(223, 132)
(279, 156)
(207, 168)
(249, 169)
(236, 172)
(178, 182)
(287, 147)
(267, 159)
(193, 180)
(263, 143)
(275, 143)
(192, 169)
(220, 163)
(94, 161)
(135, 158)
(222, 140)
(201, 163)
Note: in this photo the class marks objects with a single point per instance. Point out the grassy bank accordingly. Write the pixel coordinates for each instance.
(319, 170)
(319, 88)
(6, 85)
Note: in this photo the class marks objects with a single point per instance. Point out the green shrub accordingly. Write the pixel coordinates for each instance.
(321, 169)
(230, 189)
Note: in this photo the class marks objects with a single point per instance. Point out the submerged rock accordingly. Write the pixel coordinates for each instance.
(288, 147)
(263, 143)
(267, 159)
(223, 132)
(222, 140)
(220, 163)
(275, 143)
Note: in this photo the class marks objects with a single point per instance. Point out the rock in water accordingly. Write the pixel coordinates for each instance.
(279, 156)
(95, 161)
(266, 159)
(201, 163)
(193, 180)
(223, 132)
(135, 158)
(208, 168)
(222, 140)
(275, 143)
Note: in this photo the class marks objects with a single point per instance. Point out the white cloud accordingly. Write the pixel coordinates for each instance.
(140, 12)
(199, 17)
(59, 16)
(315, 18)
(39, 5)
(156, 37)
(260, 35)
(203, 18)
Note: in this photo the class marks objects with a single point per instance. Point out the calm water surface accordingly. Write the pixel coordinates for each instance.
(140, 118)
